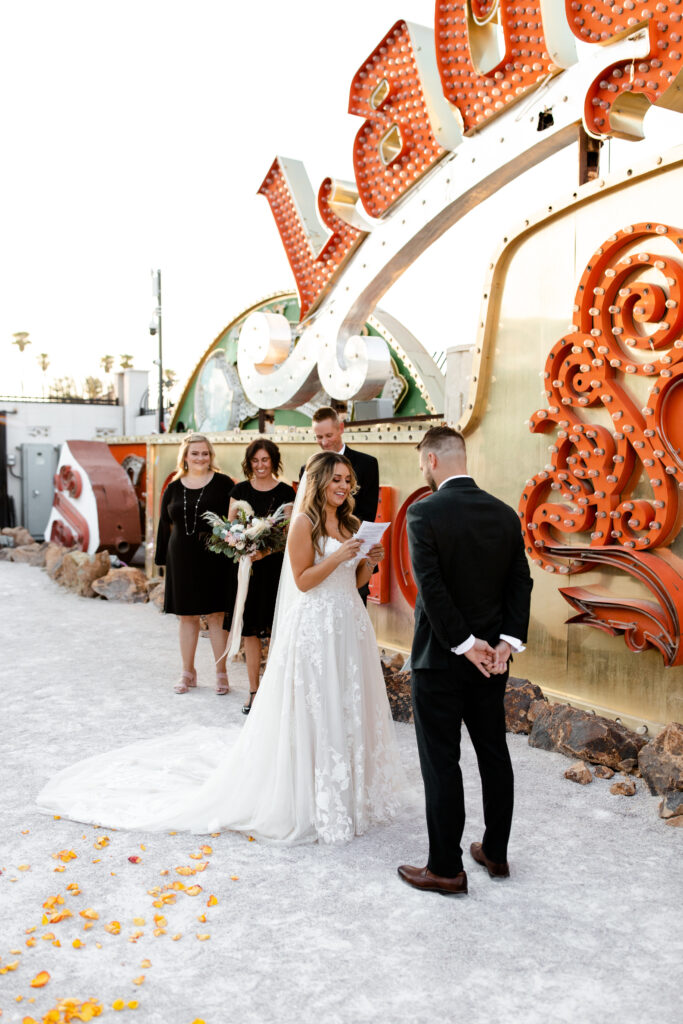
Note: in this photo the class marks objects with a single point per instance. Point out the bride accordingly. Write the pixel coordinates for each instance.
(317, 759)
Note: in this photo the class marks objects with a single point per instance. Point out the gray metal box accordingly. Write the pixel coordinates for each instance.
(38, 467)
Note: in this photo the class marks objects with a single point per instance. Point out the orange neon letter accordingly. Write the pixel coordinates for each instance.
(618, 100)
(409, 125)
(462, 47)
(315, 250)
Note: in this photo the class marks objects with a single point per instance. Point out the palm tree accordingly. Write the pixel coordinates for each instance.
(126, 362)
(107, 363)
(62, 387)
(43, 361)
(21, 340)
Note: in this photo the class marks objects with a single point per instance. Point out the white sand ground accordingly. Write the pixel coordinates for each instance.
(588, 929)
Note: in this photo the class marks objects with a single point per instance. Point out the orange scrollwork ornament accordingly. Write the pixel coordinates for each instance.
(614, 394)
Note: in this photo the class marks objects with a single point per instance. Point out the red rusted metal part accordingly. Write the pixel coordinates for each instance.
(118, 512)
(643, 623)
(400, 553)
(642, 81)
(69, 479)
(380, 582)
(624, 327)
(72, 530)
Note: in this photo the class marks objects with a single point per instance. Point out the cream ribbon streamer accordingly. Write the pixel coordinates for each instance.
(243, 573)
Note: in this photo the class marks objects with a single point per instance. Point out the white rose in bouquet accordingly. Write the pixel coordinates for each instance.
(256, 528)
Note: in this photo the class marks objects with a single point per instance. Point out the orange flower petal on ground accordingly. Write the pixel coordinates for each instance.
(212, 901)
(203, 866)
(73, 887)
(195, 856)
(201, 918)
(146, 963)
(164, 872)
(77, 944)
(160, 920)
(135, 859)
(139, 981)
(91, 914)
(114, 927)
(132, 1004)
(185, 870)
(207, 850)
(24, 867)
(101, 843)
(27, 931)
(203, 938)
(159, 931)
(234, 878)
(118, 1004)
(53, 901)
(40, 979)
(193, 890)
(31, 943)
(174, 938)
(139, 921)
(47, 935)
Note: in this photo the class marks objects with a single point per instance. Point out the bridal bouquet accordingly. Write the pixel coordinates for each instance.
(247, 533)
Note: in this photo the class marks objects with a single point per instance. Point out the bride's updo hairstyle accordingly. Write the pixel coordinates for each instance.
(320, 469)
(181, 464)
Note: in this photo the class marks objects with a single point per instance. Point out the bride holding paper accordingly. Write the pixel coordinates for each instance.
(317, 758)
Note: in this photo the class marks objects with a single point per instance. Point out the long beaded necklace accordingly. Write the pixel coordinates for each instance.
(188, 532)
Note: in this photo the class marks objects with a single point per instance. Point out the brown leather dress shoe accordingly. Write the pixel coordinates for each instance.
(422, 878)
(495, 870)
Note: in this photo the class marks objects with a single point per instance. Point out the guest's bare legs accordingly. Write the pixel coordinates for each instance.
(188, 631)
(219, 639)
(252, 653)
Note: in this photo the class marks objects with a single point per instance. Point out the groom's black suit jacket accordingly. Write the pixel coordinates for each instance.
(366, 469)
(471, 571)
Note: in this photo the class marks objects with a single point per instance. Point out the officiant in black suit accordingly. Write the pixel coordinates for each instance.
(471, 613)
(328, 428)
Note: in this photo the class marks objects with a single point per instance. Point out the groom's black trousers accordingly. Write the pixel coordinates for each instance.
(442, 700)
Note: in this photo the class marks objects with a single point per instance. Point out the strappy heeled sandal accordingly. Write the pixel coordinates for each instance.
(246, 708)
(187, 681)
(222, 688)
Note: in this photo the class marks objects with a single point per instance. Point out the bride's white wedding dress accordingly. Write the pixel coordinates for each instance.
(317, 758)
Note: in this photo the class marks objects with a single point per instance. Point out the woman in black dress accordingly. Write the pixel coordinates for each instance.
(197, 580)
(265, 493)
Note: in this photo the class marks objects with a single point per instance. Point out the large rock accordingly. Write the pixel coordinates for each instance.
(589, 737)
(19, 533)
(155, 593)
(520, 694)
(398, 691)
(129, 585)
(672, 805)
(79, 570)
(54, 559)
(28, 554)
(661, 761)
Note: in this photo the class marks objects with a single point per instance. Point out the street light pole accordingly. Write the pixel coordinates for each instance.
(156, 291)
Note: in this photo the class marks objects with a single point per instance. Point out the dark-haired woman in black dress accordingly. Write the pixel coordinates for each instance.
(265, 493)
(197, 580)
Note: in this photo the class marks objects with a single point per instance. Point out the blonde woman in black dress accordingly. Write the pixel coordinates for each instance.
(261, 466)
(197, 580)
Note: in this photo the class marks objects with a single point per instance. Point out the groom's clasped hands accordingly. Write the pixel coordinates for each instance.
(491, 661)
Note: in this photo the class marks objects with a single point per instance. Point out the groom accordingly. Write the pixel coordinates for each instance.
(472, 611)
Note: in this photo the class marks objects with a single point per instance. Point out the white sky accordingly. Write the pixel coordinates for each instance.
(135, 135)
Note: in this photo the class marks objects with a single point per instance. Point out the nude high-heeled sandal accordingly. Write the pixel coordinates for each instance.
(187, 681)
(222, 687)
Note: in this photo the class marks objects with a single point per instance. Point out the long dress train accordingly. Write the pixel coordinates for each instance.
(317, 758)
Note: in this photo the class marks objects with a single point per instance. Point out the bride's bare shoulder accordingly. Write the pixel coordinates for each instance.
(301, 521)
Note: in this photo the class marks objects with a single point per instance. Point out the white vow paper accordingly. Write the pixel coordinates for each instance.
(370, 534)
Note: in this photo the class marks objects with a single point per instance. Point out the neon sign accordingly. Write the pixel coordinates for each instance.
(440, 134)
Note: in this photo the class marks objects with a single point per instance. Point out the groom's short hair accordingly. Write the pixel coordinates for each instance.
(443, 441)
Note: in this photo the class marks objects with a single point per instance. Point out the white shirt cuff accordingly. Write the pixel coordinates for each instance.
(516, 645)
(465, 646)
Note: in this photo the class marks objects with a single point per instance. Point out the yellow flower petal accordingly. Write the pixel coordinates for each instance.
(207, 850)
(90, 914)
(114, 927)
(193, 890)
(118, 1004)
(174, 938)
(201, 918)
(203, 938)
(185, 871)
(139, 921)
(24, 867)
(77, 944)
(132, 1004)
(40, 979)
(212, 901)
(139, 981)
(146, 963)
